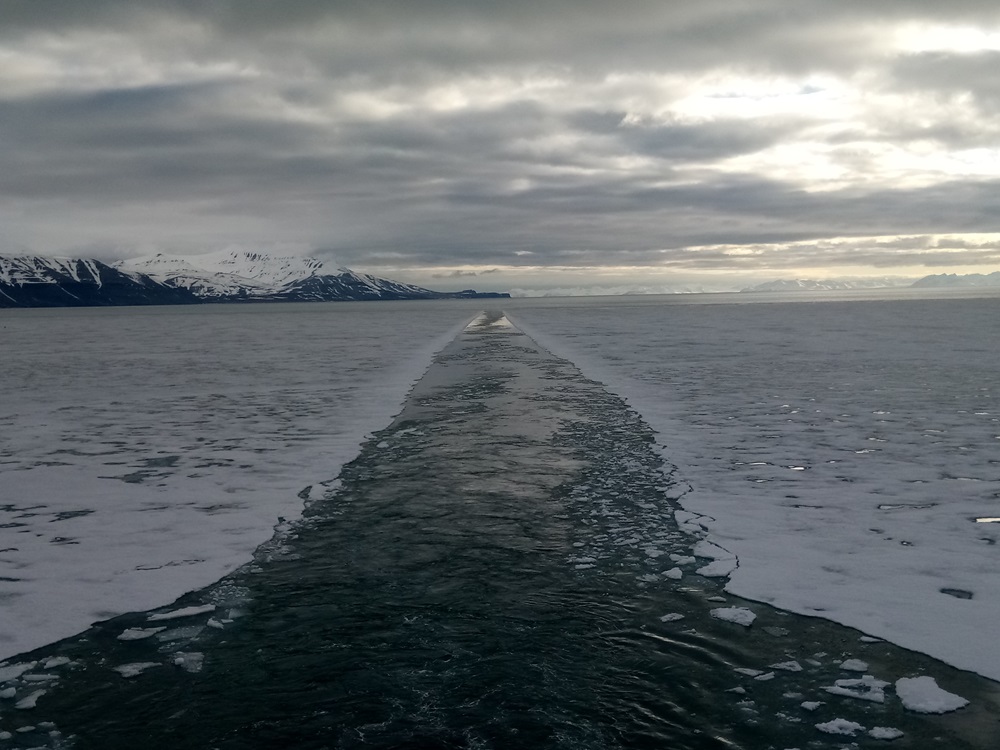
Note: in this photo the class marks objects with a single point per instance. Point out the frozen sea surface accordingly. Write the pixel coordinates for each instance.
(843, 452)
(489, 572)
(146, 452)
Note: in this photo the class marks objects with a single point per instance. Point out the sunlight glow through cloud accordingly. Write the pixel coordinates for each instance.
(916, 38)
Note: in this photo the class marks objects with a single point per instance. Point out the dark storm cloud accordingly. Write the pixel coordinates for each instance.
(456, 133)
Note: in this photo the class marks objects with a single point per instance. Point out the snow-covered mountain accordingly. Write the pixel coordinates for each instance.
(828, 285)
(227, 273)
(248, 275)
(959, 280)
(225, 276)
(31, 281)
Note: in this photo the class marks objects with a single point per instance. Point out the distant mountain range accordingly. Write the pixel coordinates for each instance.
(885, 282)
(226, 276)
(954, 280)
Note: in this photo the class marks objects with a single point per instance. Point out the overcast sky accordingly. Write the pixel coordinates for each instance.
(564, 143)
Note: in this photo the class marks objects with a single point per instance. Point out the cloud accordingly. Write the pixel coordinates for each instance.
(469, 136)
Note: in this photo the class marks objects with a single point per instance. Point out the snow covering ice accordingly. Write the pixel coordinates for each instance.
(854, 665)
(840, 451)
(840, 726)
(922, 694)
(739, 615)
(146, 452)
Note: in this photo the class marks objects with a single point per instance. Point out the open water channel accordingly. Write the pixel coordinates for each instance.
(502, 566)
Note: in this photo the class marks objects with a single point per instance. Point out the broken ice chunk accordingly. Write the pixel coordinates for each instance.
(922, 695)
(788, 666)
(185, 612)
(854, 665)
(134, 669)
(866, 688)
(840, 726)
(138, 634)
(884, 733)
(739, 615)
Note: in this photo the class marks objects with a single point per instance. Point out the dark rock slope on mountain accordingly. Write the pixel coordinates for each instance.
(231, 276)
(49, 282)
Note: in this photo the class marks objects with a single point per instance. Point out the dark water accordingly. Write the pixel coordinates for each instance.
(487, 574)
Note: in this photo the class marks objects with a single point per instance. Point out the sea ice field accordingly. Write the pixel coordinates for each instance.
(503, 563)
(833, 459)
(146, 452)
(844, 457)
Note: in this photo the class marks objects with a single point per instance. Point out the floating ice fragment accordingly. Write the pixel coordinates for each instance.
(854, 665)
(6, 736)
(185, 612)
(190, 661)
(739, 615)
(869, 639)
(671, 617)
(737, 690)
(675, 574)
(8, 693)
(884, 733)
(683, 559)
(30, 701)
(840, 726)
(765, 677)
(788, 666)
(13, 671)
(134, 669)
(717, 568)
(866, 688)
(138, 634)
(56, 661)
(922, 695)
(748, 671)
(811, 705)
(213, 623)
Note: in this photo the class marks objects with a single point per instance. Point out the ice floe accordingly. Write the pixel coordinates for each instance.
(138, 634)
(840, 726)
(854, 665)
(922, 695)
(884, 733)
(135, 668)
(177, 614)
(739, 615)
(865, 688)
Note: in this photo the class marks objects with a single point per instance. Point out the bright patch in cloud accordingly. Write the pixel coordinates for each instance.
(916, 38)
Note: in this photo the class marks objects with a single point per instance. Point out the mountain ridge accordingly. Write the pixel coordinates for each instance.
(223, 276)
